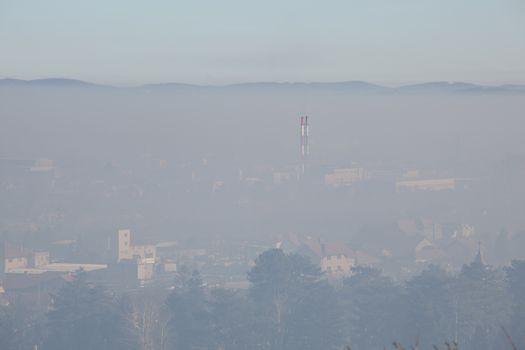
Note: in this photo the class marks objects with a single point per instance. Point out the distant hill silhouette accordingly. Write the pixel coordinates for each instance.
(347, 87)
(50, 82)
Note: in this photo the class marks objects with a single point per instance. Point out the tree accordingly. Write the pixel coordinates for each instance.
(483, 306)
(373, 310)
(20, 326)
(296, 310)
(315, 319)
(235, 323)
(7, 328)
(189, 324)
(150, 316)
(276, 276)
(515, 276)
(430, 302)
(87, 317)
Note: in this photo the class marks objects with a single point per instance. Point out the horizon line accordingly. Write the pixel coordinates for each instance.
(254, 82)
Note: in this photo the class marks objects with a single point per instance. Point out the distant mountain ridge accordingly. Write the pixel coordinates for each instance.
(48, 82)
(351, 87)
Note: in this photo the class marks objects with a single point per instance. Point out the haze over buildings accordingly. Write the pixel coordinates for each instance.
(274, 176)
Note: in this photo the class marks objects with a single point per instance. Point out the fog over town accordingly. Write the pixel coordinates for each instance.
(267, 205)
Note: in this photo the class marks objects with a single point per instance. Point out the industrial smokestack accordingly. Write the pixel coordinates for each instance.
(306, 136)
(305, 149)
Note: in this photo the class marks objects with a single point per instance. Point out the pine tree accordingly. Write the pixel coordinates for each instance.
(189, 324)
(296, 310)
(430, 302)
(7, 328)
(515, 276)
(483, 306)
(373, 311)
(87, 317)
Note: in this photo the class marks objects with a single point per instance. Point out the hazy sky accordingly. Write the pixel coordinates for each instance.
(217, 42)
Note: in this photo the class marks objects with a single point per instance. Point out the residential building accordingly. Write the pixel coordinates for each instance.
(344, 177)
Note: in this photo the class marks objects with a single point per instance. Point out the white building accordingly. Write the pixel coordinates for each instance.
(127, 251)
(344, 177)
(337, 265)
(21, 261)
(144, 255)
(427, 185)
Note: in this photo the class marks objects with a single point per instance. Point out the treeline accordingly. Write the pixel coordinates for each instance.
(289, 305)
